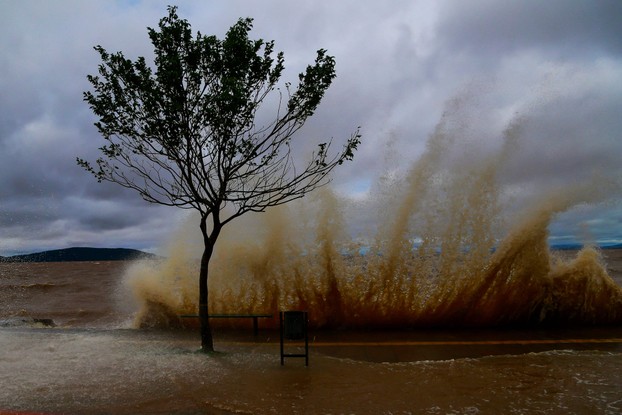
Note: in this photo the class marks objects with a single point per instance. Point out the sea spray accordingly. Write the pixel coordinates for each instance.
(581, 291)
(460, 272)
(165, 288)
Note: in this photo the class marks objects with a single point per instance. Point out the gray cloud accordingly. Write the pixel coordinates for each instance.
(577, 29)
(557, 64)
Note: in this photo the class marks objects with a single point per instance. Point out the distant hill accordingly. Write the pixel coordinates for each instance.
(81, 254)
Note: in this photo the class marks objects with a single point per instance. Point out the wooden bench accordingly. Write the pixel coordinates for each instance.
(255, 318)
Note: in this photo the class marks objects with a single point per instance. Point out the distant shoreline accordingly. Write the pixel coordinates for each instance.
(77, 254)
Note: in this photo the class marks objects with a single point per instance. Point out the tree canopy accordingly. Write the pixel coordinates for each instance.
(186, 132)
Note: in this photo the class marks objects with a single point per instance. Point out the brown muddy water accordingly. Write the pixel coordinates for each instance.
(96, 362)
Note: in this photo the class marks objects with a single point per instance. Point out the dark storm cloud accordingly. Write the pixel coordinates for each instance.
(561, 142)
(561, 28)
(557, 63)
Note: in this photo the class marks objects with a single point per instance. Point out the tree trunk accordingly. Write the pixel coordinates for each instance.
(207, 342)
(209, 239)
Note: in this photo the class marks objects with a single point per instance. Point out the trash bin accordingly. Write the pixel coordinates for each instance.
(294, 325)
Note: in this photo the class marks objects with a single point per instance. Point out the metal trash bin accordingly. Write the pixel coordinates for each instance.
(294, 326)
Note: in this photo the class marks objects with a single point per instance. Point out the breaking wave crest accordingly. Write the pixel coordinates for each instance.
(435, 258)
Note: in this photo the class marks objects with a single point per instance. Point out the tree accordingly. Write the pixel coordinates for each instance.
(187, 131)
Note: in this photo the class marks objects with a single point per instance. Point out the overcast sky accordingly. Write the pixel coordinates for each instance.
(556, 65)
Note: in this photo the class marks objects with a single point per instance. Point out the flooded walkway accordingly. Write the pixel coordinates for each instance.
(88, 371)
(421, 345)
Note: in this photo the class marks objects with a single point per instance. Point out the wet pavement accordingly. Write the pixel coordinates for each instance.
(423, 345)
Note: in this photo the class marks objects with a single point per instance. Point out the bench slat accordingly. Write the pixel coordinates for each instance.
(255, 317)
